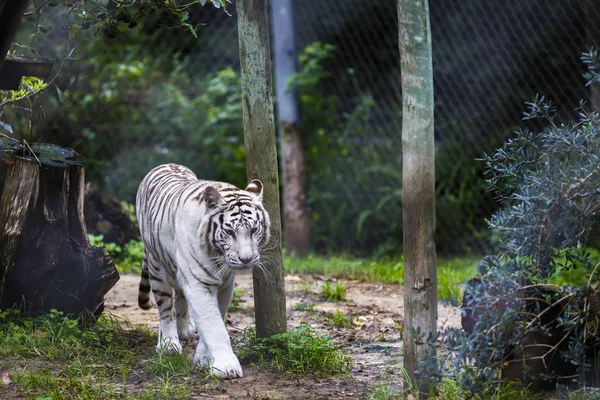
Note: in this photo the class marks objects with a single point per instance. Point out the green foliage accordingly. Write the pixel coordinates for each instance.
(81, 15)
(87, 358)
(129, 209)
(113, 249)
(547, 183)
(132, 257)
(170, 364)
(300, 352)
(335, 292)
(128, 258)
(339, 320)
(304, 307)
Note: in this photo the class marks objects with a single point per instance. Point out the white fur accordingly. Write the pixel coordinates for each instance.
(201, 299)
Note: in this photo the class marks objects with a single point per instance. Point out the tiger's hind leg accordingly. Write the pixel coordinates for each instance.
(168, 339)
(185, 327)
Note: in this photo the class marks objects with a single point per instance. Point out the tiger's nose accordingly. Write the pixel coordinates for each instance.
(245, 259)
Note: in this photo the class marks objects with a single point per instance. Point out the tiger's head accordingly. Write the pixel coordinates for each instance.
(240, 225)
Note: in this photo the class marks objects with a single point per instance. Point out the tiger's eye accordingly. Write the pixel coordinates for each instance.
(229, 232)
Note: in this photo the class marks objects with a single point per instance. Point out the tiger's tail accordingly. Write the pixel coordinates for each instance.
(144, 292)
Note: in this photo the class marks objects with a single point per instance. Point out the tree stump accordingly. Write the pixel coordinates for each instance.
(47, 261)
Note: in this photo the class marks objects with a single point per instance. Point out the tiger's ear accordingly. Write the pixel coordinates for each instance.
(212, 198)
(255, 186)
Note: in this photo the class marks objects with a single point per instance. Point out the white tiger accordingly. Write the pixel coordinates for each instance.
(196, 234)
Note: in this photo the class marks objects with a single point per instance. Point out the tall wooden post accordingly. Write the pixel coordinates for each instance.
(261, 156)
(418, 185)
(296, 213)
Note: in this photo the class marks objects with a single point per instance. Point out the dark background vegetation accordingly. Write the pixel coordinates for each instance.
(136, 95)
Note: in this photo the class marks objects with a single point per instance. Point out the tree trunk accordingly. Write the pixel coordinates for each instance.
(47, 258)
(296, 213)
(418, 186)
(261, 157)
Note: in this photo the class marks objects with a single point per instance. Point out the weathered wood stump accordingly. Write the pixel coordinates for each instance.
(46, 260)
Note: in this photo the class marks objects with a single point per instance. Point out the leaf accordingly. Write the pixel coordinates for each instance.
(60, 95)
(184, 16)
(6, 127)
(191, 29)
(73, 30)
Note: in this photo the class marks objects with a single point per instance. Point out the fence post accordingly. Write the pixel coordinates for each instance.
(261, 157)
(418, 180)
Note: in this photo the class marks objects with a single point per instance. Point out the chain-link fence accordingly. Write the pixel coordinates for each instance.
(156, 95)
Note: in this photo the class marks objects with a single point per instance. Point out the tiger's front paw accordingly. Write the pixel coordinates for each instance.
(224, 366)
(169, 345)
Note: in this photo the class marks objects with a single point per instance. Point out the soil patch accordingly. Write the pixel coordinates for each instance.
(373, 339)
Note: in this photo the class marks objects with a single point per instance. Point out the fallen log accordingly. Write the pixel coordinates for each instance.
(47, 261)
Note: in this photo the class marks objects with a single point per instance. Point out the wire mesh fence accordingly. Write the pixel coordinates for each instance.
(153, 95)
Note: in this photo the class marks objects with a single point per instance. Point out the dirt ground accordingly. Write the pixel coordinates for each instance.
(372, 339)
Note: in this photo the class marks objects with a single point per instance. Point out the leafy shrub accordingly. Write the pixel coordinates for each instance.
(300, 352)
(525, 327)
(113, 249)
(128, 258)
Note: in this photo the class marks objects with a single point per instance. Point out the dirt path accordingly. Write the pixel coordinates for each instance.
(372, 339)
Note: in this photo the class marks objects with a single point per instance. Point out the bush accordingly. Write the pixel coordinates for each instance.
(300, 352)
(522, 325)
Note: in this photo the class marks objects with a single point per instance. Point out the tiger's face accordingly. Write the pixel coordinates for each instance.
(241, 227)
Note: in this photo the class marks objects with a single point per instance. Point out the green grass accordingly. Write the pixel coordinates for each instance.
(339, 320)
(335, 292)
(56, 357)
(301, 352)
(452, 273)
(308, 307)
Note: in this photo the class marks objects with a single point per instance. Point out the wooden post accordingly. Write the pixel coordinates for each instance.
(296, 213)
(418, 185)
(261, 157)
